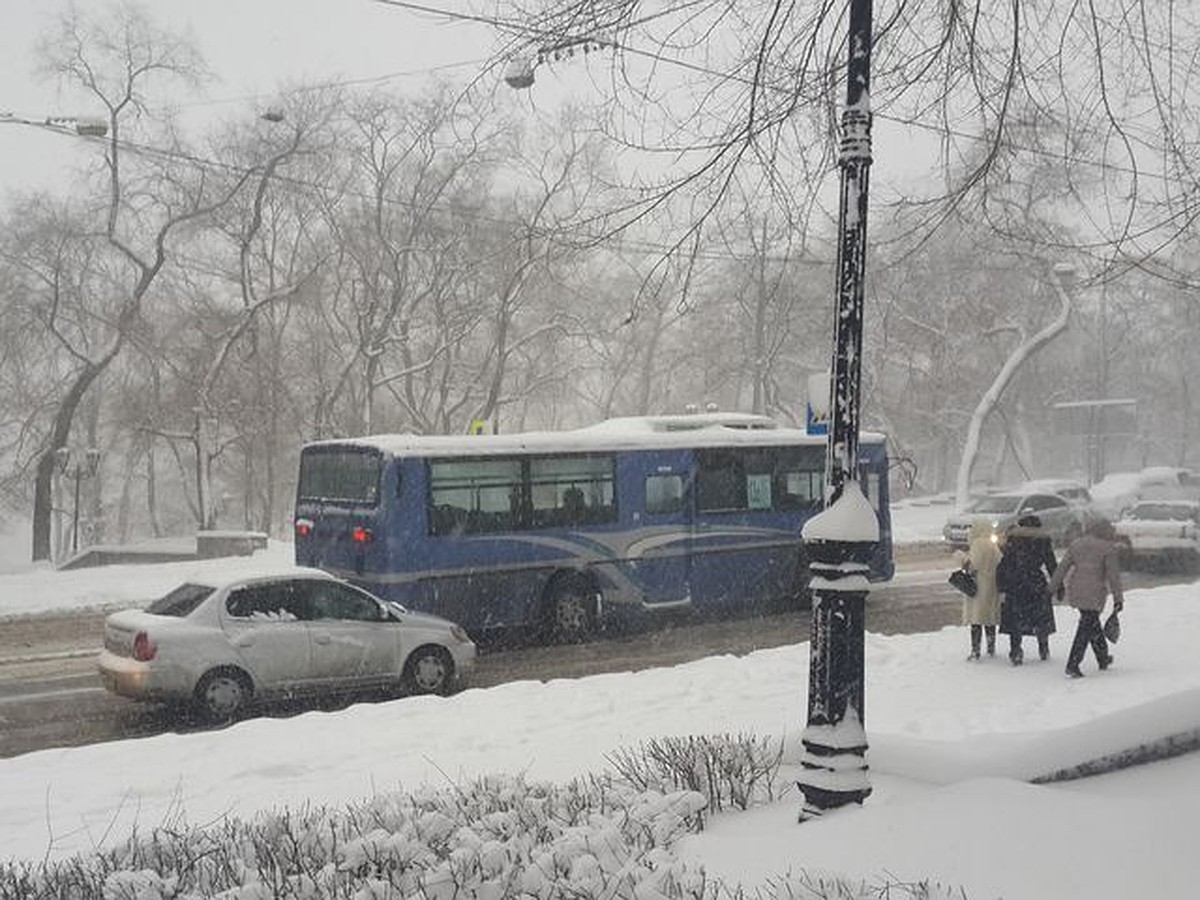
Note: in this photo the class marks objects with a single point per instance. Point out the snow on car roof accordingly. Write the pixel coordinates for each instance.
(1051, 485)
(1117, 484)
(624, 433)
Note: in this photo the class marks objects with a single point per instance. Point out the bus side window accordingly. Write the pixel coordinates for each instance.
(722, 481)
(473, 496)
(801, 490)
(571, 490)
(664, 494)
(800, 478)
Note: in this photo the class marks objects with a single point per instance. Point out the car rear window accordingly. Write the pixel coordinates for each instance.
(182, 601)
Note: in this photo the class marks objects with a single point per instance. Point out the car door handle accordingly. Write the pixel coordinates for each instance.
(322, 638)
(244, 640)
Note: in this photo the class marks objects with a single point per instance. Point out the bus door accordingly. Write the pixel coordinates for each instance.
(750, 503)
(658, 524)
(873, 477)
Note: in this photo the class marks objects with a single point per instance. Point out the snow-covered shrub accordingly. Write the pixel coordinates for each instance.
(496, 838)
(606, 837)
(730, 771)
(806, 886)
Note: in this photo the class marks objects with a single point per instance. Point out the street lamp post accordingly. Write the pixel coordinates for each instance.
(82, 126)
(841, 538)
(80, 470)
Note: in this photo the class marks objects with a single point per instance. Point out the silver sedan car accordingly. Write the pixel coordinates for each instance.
(218, 646)
(1062, 521)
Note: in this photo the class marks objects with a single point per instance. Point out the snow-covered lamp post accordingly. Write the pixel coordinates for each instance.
(841, 538)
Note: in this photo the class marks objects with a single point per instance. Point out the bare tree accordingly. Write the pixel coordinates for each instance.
(114, 61)
(748, 90)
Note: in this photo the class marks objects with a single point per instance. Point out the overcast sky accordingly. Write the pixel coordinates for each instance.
(252, 46)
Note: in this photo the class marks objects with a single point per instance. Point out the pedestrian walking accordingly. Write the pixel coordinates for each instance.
(1089, 570)
(982, 612)
(1022, 578)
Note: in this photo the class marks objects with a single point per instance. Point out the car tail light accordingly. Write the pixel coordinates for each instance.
(304, 527)
(144, 649)
(362, 535)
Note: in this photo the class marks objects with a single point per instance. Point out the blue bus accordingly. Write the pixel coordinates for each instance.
(563, 532)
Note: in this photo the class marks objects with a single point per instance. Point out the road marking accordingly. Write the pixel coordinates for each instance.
(45, 695)
(47, 657)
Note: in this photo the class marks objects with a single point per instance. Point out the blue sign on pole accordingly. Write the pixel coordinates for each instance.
(814, 423)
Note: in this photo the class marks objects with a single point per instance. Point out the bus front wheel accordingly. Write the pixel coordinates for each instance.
(570, 613)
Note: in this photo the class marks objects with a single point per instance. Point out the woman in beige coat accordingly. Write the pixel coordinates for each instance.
(982, 612)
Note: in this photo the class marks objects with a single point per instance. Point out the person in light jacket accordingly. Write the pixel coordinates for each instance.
(982, 612)
(1025, 568)
(1089, 571)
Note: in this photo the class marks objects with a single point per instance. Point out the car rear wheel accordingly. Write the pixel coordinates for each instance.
(429, 670)
(222, 694)
(570, 611)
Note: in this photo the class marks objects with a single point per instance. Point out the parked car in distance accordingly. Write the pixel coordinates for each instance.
(1074, 492)
(1118, 491)
(1165, 532)
(218, 646)
(1062, 521)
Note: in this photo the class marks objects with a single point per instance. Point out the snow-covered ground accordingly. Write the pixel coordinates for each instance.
(953, 747)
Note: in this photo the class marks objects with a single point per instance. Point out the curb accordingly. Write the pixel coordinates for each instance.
(1164, 748)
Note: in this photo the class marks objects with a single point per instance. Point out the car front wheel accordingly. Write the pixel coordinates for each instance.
(429, 670)
(222, 694)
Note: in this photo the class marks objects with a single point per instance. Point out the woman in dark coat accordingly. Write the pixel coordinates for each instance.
(1022, 578)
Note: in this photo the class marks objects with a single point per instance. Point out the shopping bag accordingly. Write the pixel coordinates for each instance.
(964, 581)
(1112, 628)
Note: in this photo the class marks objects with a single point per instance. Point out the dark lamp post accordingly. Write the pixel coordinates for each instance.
(840, 539)
(80, 470)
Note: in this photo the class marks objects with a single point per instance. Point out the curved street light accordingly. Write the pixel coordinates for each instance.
(82, 126)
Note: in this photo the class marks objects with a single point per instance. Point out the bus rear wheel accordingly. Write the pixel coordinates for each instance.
(570, 613)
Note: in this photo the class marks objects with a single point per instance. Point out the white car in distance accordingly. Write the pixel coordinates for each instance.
(218, 646)
(1162, 532)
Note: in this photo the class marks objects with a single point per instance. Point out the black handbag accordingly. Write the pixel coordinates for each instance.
(964, 581)
(1112, 628)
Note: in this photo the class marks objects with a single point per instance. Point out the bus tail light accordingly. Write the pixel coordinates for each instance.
(144, 649)
(362, 535)
(304, 527)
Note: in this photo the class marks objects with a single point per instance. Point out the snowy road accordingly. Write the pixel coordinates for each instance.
(50, 696)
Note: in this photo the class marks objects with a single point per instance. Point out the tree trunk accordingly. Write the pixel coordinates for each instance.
(60, 432)
(991, 396)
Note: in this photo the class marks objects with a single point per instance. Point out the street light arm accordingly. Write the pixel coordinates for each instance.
(81, 126)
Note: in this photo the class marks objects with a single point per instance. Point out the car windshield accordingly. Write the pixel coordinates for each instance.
(1162, 512)
(182, 601)
(995, 504)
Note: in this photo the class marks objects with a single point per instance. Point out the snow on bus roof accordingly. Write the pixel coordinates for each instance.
(623, 433)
